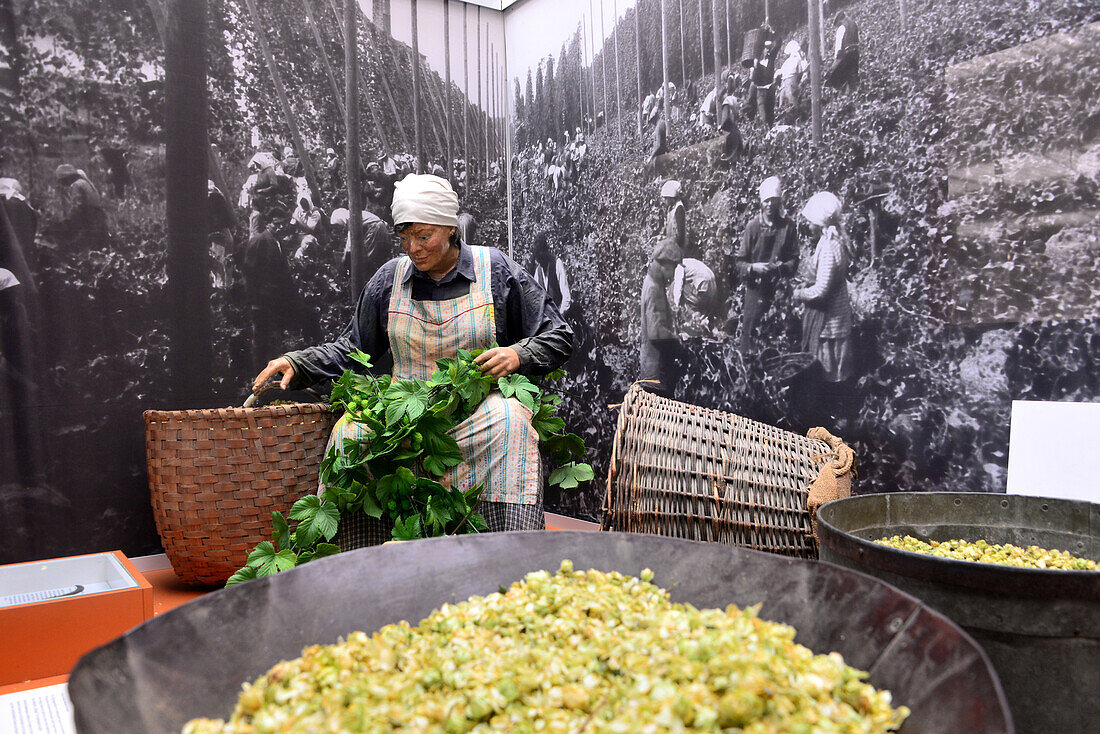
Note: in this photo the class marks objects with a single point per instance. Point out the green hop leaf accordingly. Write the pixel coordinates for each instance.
(241, 575)
(546, 422)
(281, 533)
(362, 358)
(263, 551)
(315, 518)
(521, 389)
(438, 513)
(265, 561)
(566, 446)
(370, 504)
(569, 476)
(407, 528)
(325, 549)
(407, 400)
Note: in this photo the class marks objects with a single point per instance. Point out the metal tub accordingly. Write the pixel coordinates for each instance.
(191, 661)
(1041, 628)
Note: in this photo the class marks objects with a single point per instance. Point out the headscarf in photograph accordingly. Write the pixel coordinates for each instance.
(822, 208)
(770, 188)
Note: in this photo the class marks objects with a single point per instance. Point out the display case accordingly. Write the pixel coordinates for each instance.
(54, 611)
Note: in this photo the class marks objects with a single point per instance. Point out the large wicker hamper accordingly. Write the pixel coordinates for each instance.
(690, 472)
(215, 477)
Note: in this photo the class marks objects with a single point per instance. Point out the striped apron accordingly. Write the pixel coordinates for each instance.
(498, 443)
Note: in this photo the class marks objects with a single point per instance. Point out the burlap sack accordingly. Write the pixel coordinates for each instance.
(835, 478)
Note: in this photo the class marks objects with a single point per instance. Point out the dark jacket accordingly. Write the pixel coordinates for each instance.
(762, 242)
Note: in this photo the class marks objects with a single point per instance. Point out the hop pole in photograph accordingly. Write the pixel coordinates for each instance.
(815, 70)
(375, 116)
(729, 35)
(480, 137)
(351, 158)
(213, 160)
(584, 109)
(592, 60)
(490, 113)
(603, 66)
(683, 54)
(618, 84)
(702, 44)
(717, 59)
(667, 103)
(190, 322)
(419, 144)
(449, 163)
(638, 59)
(466, 91)
(373, 35)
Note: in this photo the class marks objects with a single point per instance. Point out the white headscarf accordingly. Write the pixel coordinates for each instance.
(7, 279)
(770, 188)
(10, 189)
(822, 208)
(424, 199)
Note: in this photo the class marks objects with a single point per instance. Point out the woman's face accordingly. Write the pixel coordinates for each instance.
(429, 247)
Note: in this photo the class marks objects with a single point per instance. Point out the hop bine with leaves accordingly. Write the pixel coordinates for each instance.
(393, 471)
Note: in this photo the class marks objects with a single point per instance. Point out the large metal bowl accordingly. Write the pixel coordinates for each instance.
(191, 661)
(1041, 628)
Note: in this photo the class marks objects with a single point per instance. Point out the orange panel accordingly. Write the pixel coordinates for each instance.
(46, 638)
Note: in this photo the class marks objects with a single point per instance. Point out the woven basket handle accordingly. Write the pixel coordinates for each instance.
(271, 385)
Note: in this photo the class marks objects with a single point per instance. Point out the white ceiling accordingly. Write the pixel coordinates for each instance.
(494, 4)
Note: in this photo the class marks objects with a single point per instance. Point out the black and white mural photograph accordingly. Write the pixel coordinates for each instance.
(92, 330)
(894, 243)
(510, 335)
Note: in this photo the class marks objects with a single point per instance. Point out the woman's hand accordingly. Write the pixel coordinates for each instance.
(498, 362)
(274, 367)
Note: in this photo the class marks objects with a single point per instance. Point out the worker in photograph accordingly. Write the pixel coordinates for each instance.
(659, 344)
(762, 86)
(219, 234)
(660, 138)
(548, 270)
(767, 255)
(827, 319)
(675, 214)
(791, 75)
(694, 296)
(729, 110)
(443, 295)
(84, 220)
(843, 74)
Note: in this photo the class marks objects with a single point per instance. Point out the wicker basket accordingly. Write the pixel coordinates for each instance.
(689, 472)
(216, 476)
